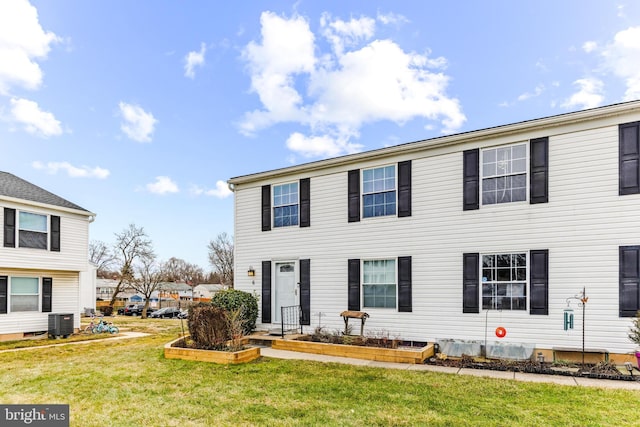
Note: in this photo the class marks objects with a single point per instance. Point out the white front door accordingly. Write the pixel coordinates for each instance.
(285, 289)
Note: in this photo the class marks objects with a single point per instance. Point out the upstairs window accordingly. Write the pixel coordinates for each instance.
(32, 230)
(285, 205)
(504, 174)
(504, 281)
(379, 191)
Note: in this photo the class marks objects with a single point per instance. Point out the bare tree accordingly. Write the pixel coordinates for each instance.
(102, 256)
(174, 269)
(192, 275)
(221, 257)
(131, 244)
(149, 275)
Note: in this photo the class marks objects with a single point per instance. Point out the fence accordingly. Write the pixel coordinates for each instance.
(290, 319)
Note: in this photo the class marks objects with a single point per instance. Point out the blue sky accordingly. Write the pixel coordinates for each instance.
(140, 111)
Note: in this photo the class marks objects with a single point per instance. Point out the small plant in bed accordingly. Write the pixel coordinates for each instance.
(379, 339)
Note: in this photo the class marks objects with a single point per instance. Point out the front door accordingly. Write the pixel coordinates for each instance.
(285, 289)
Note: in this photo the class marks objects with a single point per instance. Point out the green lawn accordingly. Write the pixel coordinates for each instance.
(129, 383)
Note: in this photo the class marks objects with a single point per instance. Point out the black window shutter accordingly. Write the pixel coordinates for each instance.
(266, 291)
(47, 293)
(305, 202)
(55, 233)
(354, 285)
(9, 228)
(629, 159)
(305, 291)
(266, 207)
(404, 284)
(3, 294)
(539, 282)
(404, 188)
(470, 281)
(629, 303)
(539, 165)
(354, 195)
(471, 180)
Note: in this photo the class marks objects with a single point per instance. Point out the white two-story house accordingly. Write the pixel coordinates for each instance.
(490, 235)
(44, 258)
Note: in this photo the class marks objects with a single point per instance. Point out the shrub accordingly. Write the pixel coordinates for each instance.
(233, 299)
(208, 327)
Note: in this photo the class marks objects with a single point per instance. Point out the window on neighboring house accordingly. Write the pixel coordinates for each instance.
(379, 191)
(504, 174)
(25, 294)
(285, 205)
(32, 230)
(504, 281)
(379, 283)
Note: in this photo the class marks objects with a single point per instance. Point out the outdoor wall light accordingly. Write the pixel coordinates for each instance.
(251, 272)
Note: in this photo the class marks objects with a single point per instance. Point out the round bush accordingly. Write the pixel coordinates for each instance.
(233, 299)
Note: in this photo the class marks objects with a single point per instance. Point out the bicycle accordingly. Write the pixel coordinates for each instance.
(92, 325)
(101, 326)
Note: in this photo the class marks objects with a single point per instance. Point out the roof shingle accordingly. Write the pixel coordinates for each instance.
(12, 186)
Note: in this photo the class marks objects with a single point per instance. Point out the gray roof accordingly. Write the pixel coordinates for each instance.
(12, 186)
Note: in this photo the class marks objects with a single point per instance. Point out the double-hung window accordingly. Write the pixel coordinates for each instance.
(32, 230)
(379, 283)
(25, 293)
(285, 205)
(504, 174)
(379, 191)
(504, 281)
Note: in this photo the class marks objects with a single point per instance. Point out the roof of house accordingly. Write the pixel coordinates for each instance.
(441, 141)
(212, 287)
(18, 188)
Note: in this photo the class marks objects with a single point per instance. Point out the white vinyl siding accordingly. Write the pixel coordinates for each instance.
(65, 299)
(74, 244)
(583, 225)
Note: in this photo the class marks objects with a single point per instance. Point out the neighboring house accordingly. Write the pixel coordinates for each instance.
(206, 291)
(44, 265)
(448, 239)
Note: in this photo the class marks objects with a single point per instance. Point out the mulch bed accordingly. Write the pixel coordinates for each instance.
(602, 370)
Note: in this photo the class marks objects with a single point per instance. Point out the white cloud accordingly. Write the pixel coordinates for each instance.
(34, 120)
(193, 60)
(162, 185)
(622, 58)
(22, 42)
(536, 92)
(221, 191)
(346, 33)
(589, 94)
(391, 18)
(589, 46)
(72, 171)
(320, 146)
(361, 81)
(138, 124)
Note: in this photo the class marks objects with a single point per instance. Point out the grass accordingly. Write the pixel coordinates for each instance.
(129, 383)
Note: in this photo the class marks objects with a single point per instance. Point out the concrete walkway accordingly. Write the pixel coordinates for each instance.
(120, 336)
(518, 376)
